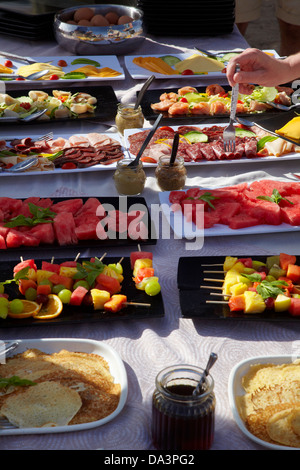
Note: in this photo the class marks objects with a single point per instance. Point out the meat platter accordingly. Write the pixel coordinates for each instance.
(63, 153)
(207, 148)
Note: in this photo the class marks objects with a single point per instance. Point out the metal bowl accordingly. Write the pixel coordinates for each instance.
(100, 40)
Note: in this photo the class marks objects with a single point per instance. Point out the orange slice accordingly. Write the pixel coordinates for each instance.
(52, 309)
(30, 309)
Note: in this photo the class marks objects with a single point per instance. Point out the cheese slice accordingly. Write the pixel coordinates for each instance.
(291, 129)
(199, 64)
(154, 64)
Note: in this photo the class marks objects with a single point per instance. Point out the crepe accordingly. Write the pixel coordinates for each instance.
(85, 374)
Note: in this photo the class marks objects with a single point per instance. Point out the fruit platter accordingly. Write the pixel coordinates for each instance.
(203, 145)
(62, 105)
(73, 223)
(233, 287)
(38, 291)
(263, 206)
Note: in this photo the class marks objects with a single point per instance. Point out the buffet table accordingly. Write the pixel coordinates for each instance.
(147, 346)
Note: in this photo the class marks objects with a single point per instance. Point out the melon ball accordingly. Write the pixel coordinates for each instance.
(125, 19)
(112, 17)
(84, 13)
(99, 20)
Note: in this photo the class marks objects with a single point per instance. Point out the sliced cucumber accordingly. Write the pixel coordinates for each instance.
(239, 132)
(196, 136)
(170, 59)
(228, 56)
(196, 97)
(267, 138)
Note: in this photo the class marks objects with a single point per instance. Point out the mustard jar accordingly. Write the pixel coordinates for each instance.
(129, 181)
(170, 178)
(129, 118)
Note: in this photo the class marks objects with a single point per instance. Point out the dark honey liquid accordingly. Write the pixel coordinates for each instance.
(182, 425)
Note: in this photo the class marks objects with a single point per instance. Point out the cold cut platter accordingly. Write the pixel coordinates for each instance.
(61, 153)
(202, 144)
(218, 291)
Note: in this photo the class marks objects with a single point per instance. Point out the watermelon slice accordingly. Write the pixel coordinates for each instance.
(15, 239)
(2, 243)
(44, 233)
(243, 220)
(70, 205)
(10, 206)
(91, 205)
(64, 229)
(134, 255)
(78, 295)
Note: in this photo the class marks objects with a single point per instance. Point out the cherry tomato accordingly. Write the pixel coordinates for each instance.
(54, 77)
(187, 72)
(62, 63)
(25, 105)
(9, 165)
(183, 100)
(166, 128)
(69, 166)
(8, 63)
(20, 79)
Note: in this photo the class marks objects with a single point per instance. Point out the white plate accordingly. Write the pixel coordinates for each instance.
(50, 346)
(138, 72)
(243, 160)
(104, 60)
(97, 167)
(184, 229)
(235, 389)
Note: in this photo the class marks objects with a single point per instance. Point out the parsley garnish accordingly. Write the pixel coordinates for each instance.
(14, 381)
(207, 197)
(270, 288)
(89, 271)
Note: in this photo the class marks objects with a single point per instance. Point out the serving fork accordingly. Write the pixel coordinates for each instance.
(229, 131)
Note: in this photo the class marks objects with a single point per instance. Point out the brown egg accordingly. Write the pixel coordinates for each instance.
(84, 23)
(71, 22)
(125, 19)
(112, 17)
(99, 20)
(84, 13)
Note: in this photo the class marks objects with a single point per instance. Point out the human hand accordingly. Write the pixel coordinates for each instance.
(256, 67)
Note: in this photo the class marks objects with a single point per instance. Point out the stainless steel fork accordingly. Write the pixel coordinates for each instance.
(48, 136)
(229, 131)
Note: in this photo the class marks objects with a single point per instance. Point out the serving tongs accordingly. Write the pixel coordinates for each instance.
(9, 55)
(143, 90)
(7, 348)
(135, 162)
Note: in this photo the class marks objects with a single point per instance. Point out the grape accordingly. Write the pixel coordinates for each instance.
(65, 296)
(82, 284)
(31, 294)
(46, 282)
(152, 287)
(42, 299)
(16, 306)
(56, 289)
(3, 311)
(4, 301)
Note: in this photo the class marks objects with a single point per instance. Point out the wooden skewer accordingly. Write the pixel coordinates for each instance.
(77, 256)
(211, 287)
(217, 264)
(219, 294)
(137, 304)
(213, 280)
(214, 272)
(120, 260)
(217, 302)
(103, 256)
(52, 260)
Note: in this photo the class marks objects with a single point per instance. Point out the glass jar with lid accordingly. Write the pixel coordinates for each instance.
(129, 118)
(129, 181)
(170, 178)
(181, 420)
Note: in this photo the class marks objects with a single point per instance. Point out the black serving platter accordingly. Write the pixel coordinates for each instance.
(114, 240)
(152, 96)
(193, 297)
(106, 107)
(86, 314)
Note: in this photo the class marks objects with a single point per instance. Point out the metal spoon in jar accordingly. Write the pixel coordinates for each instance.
(212, 359)
(143, 90)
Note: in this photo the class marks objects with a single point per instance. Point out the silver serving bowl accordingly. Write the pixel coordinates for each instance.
(100, 40)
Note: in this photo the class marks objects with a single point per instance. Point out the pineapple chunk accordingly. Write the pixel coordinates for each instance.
(229, 263)
(238, 289)
(67, 271)
(100, 297)
(254, 303)
(42, 274)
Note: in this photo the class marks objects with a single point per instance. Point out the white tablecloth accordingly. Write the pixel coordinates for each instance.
(150, 345)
